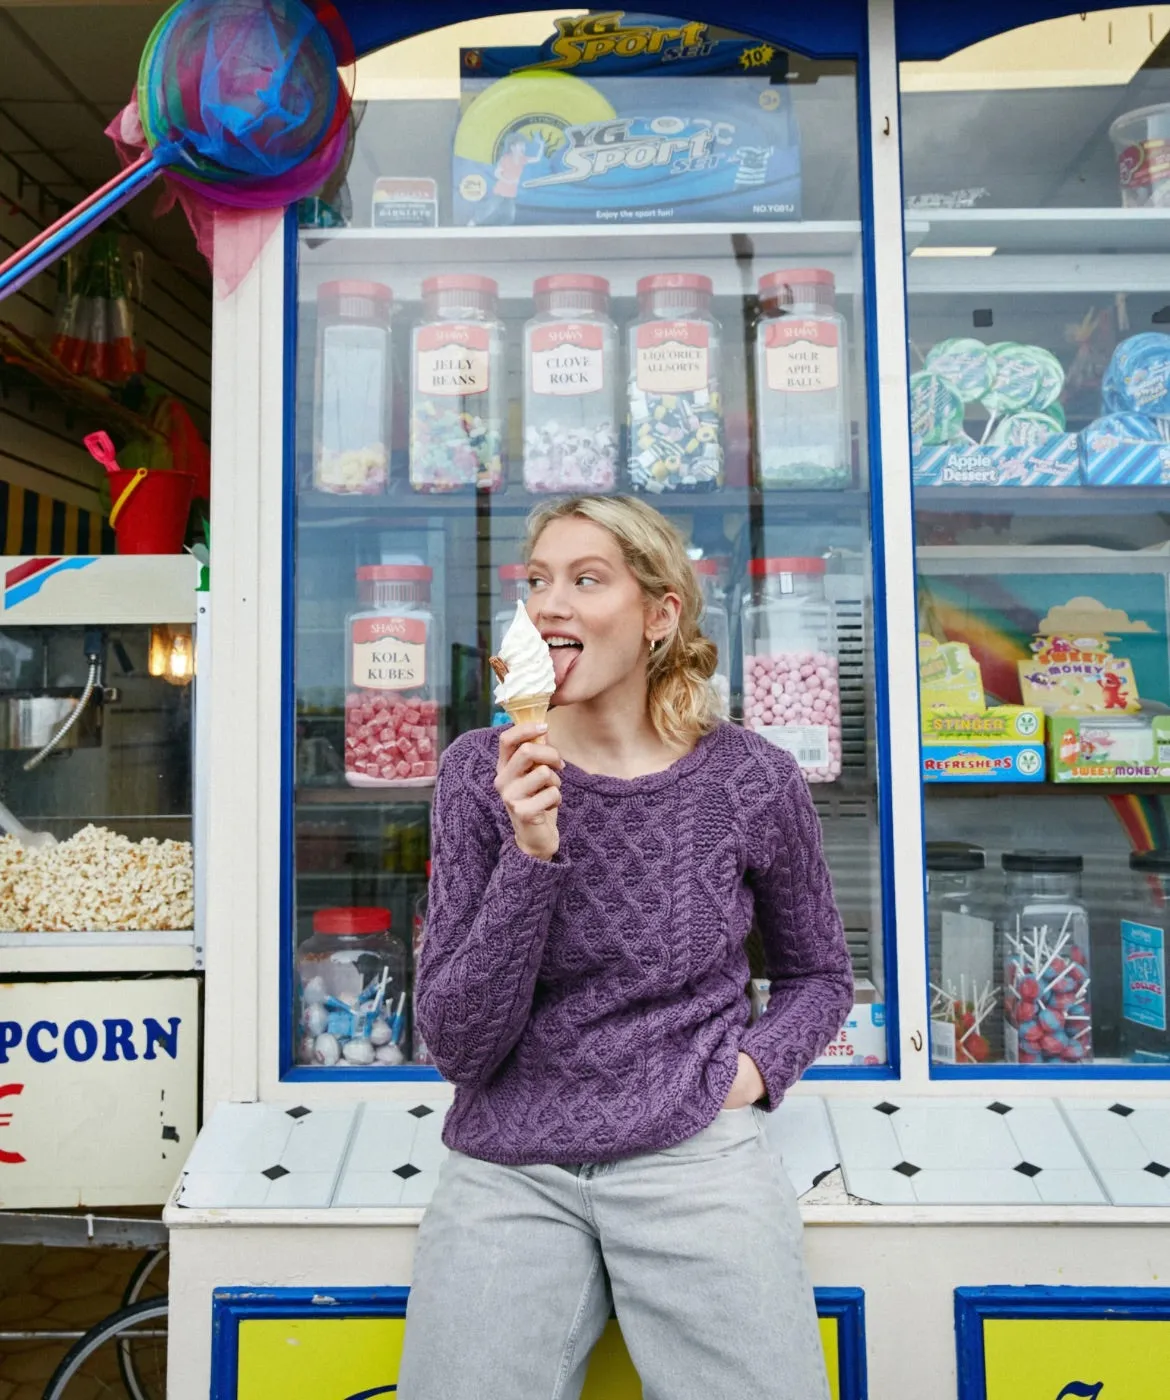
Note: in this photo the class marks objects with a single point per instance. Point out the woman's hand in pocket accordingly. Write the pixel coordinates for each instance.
(748, 1085)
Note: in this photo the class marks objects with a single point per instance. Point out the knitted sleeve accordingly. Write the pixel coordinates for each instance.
(804, 944)
(487, 921)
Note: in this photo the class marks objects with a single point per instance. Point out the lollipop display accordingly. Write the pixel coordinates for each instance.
(240, 102)
(1024, 442)
(1130, 445)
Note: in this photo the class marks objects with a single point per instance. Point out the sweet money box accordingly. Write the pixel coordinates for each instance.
(1109, 748)
(584, 126)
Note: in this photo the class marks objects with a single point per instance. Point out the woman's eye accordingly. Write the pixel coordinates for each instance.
(535, 583)
(586, 578)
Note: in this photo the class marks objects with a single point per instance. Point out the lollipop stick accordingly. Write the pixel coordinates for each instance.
(87, 203)
(991, 421)
(77, 225)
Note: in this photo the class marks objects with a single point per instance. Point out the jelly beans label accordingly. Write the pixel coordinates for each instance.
(807, 743)
(389, 653)
(452, 359)
(1143, 974)
(802, 357)
(672, 357)
(567, 359)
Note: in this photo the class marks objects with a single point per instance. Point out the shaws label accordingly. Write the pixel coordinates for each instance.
(672, 357)
(452, 359)
(567, 359)
(802, 356)
(389, 653)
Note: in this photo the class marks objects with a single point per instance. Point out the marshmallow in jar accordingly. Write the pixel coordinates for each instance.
(352, 403)
(352, 990)
(570, 386)
(391, 702)
(791, 693)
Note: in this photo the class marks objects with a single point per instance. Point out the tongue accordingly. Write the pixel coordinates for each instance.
(562, 660)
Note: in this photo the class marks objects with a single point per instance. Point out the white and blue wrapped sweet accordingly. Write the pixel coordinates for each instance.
(1125, 449)
(1138, 377)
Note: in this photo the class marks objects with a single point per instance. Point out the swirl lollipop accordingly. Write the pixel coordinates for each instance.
(240, 101)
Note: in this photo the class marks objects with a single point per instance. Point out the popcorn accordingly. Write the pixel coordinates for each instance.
(96, 881)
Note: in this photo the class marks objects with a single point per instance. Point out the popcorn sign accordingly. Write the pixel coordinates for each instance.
(98, 1090)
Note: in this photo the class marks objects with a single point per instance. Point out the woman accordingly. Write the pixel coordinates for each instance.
(582, 983)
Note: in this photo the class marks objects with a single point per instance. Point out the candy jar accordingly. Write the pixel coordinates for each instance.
(391, 702)
(790, 687)
(675, 405)
(802, 411)
(421, 1055)
(966, 1007)
(458, 386)
(570, 387)
(1044, 931)
(513, 590)
(352, 990)
(1145, 928)
(715, 624)
(352, 407)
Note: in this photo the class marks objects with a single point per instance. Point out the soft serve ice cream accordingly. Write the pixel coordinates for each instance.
(524, 666)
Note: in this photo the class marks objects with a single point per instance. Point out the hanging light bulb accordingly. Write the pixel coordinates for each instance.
(172, 654)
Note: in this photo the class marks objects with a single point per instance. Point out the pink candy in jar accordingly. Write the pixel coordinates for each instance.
(391, 709)
(791, 690)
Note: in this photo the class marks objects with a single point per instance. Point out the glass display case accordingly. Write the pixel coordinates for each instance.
(615, 255)
(1038, 281)
(97, 664)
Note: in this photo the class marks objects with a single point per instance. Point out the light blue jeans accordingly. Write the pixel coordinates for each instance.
(698, 1248)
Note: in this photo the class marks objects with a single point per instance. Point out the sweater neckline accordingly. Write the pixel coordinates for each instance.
(648, 782)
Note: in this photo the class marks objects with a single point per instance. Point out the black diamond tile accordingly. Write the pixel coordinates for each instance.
(422, 1111)
(1157, 1169)
(999, 1108)
(275, 1173)
(907, 1169)
(1027, 1169)
(820, 1176)
(1122, 1110)
(406, 1171)
(886, 1108)
(299, 1112)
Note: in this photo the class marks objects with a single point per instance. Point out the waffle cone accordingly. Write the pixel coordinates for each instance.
(528, 709)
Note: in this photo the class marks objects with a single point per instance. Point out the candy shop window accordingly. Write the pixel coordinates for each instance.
(568, 253)
(1039, 297)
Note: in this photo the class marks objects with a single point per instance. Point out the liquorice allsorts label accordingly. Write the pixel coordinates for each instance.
(672, 357)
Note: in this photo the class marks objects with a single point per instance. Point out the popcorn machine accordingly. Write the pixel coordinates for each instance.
(98, 659)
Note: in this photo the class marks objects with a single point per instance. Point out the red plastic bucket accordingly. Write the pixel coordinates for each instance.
(152, 518)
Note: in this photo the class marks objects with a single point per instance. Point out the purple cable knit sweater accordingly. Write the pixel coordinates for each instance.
(592, 1006)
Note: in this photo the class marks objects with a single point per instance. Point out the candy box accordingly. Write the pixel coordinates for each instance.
(1125, 449)
(1003, 744)
(1077, 672)
(1054, 462)
(585, 127)
(402, 202)
(948, 675)
(1109, 748)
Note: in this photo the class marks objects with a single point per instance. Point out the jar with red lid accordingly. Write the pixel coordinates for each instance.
(675, 404)
(791, 692)
(715, 625)
(570, 386)
(420, 1054)
(802, 409)
(393, 686)
(458, 386)
(352, 989)
(352, 406)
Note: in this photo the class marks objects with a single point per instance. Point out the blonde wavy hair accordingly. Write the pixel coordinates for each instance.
(682, 706)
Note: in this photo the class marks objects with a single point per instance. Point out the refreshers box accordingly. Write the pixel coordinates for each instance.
(589, 127)
(1002, 744)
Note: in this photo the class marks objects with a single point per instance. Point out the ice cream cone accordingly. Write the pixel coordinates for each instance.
(528, 709)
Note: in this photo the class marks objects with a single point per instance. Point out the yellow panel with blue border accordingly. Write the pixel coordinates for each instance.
(346, 1344)
(1063, 1343)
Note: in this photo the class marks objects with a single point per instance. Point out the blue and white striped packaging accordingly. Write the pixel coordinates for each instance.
(1056, 462)
(1126, 449)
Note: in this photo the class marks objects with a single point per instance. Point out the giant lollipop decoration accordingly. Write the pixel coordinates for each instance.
(240, 102)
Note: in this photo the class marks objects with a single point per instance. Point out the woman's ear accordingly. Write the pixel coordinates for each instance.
(662, 617)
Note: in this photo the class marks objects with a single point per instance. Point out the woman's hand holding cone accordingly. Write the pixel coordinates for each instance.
(528, 780)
